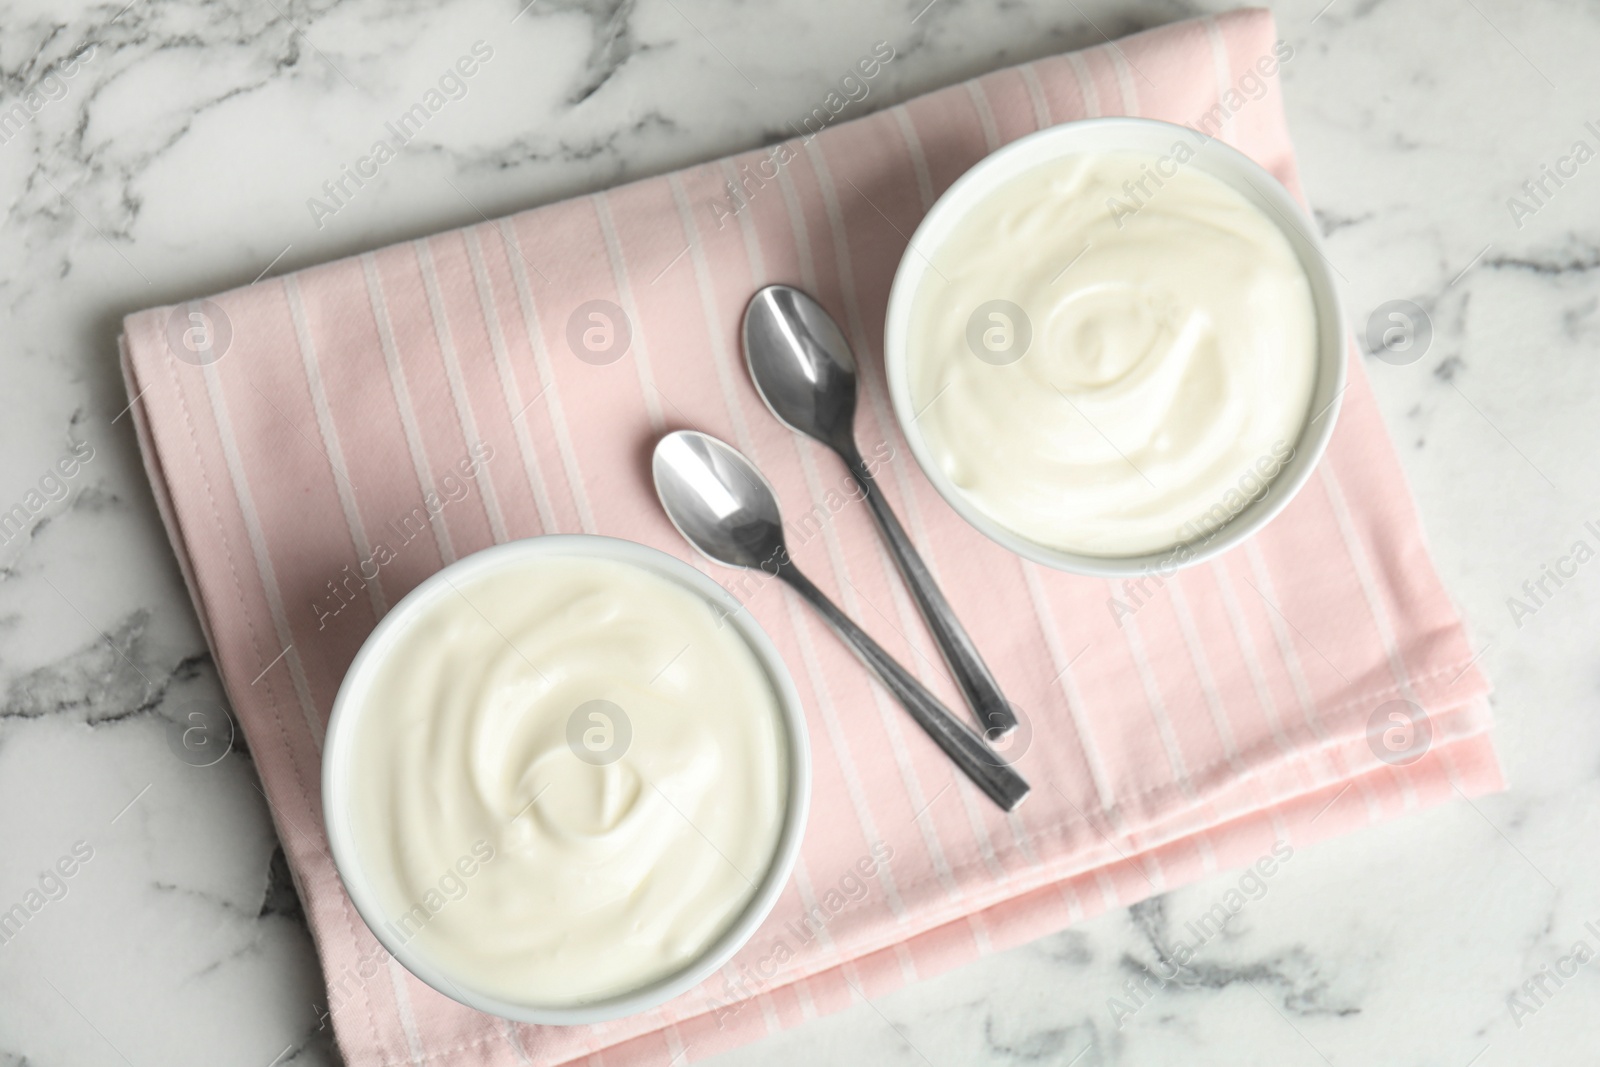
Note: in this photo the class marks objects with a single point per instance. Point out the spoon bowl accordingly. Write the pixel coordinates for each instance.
(801, 364)
(720, 503)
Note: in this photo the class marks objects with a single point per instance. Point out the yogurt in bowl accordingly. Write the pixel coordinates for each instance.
(565, 779)
(1115, 347)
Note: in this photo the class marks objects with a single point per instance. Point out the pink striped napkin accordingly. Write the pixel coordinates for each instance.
(322, 442)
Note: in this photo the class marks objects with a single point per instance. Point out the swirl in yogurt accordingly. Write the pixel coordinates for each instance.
(607, 759)
(1100, 378)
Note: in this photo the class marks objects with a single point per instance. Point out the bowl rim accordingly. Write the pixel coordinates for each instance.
(341, 732)
(1127, 133)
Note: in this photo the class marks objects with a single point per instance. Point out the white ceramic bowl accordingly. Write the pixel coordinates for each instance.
(342, 734)
(1216, 159)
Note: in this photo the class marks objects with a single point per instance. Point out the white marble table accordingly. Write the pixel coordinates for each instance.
(178, 159)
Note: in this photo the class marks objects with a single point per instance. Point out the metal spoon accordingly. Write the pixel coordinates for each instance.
(804, 370)
(726, 509)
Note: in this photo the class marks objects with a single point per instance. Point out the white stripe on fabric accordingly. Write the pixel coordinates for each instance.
(919, 159)
(1369, 591)
(769, 1013)
(1252, 664)
(619, 274)
(402, 403)
(676, 1051)
(408, 1018)
(1110, 898)
(747, 230)
(258, 547)
(908, 964)
(980, 104)
(508, 384)
(547, 379)
(801, 621)
(458, 386)
(1158, 706)
(1091, 95)
(805, 889)
(1263, 691)
(1195, 643)
(1075, 706)
(1154, 871)
(330, 443)
(1286, 646)
(976, 807)
(1222, 69)
(1074, 903)
(1041, 103)
(802, 240)
(1130, 92)
(721, 359)
(1364, 576)
(1280, 827)
(1208, 855)
(1297, 678)
(980, 933)
(1202, 669)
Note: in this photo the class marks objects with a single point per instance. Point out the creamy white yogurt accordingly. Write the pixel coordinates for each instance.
(1110, 352)
(567, 780)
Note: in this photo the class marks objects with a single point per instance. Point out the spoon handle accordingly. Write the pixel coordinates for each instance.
(987, 769)
(972, 674)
